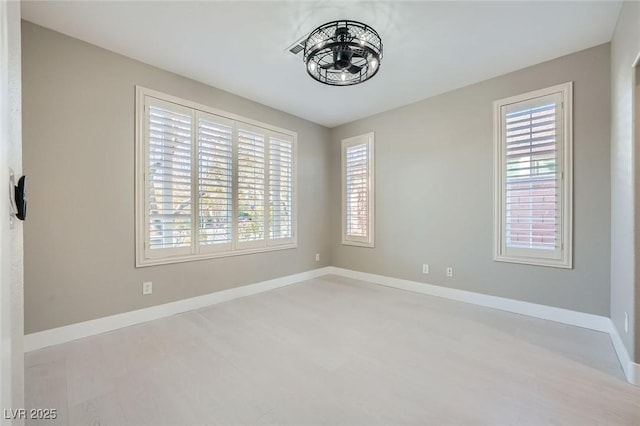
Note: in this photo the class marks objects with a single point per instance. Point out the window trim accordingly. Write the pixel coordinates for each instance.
(355, 241)
(141, 161)
(565, 260)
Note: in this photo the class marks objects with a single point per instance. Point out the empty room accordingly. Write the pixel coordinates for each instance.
(318, 212)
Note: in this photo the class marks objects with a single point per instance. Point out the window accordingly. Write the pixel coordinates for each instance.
(358, 191)
(209, 184)
(533, 178)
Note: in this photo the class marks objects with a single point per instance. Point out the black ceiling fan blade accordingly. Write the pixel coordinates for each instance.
(354, 69)
(326, 66)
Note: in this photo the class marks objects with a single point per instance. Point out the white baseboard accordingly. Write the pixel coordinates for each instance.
(71, 332)
(564, 316)
(630, 368)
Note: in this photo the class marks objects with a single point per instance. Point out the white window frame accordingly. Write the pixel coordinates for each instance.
(561, 258)
(146, 257)
(369, 240)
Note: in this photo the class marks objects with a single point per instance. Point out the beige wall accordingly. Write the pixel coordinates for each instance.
(78, 120)
(625, 48)
(434, 193)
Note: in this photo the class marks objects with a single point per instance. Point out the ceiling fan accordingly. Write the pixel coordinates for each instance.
(343, 53)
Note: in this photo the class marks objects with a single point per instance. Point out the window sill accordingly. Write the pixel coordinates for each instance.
(144, 262)
(358, 244)
(551, 263)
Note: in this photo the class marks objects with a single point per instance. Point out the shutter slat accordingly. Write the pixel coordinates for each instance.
(534, 141)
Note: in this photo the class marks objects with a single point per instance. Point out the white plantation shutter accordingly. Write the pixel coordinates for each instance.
(357, 188)
(532, 199)
(208, 184)
(533, 208)
(168, 178)
(215, 182)
(280, 188)
(358, 196)
(251, 187)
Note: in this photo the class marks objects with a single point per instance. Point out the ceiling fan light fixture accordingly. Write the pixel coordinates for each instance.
(343, 53)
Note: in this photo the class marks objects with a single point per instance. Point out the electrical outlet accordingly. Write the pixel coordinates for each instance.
(317, 257)
(147, 287)
(626, 323)
(425, 268)
(449, 272)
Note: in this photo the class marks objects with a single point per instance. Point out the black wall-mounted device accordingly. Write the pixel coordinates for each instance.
(21, 199)
(17, 197)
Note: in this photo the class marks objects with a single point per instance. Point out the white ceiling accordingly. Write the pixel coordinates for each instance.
(240, 47)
